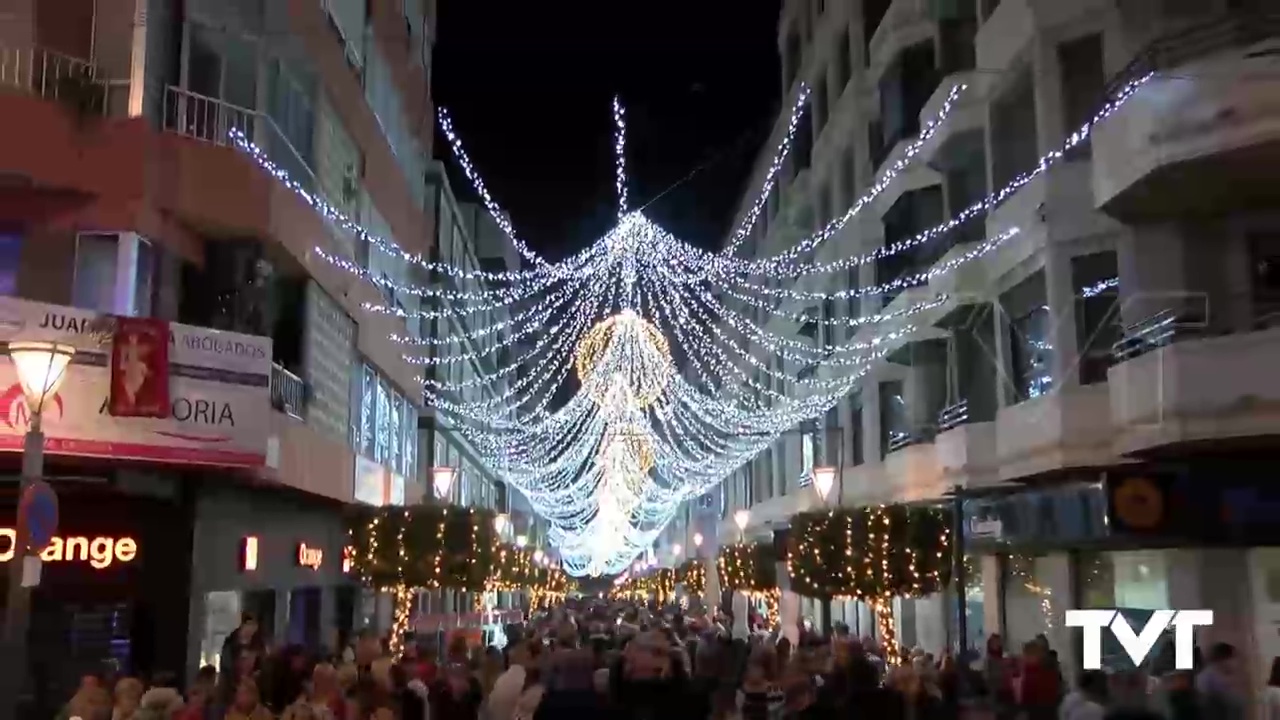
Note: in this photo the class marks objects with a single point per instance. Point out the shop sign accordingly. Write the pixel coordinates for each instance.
(217, 410)
(310, 557)
(99, 552)
(985, 528)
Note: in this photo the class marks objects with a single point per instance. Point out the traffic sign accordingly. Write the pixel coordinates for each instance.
(38, 515)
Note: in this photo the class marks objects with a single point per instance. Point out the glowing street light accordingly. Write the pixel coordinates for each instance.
(676, 550)
(537, 556)
(500, 523)
(824, 478)
(697, 540)
(442, 480)
(521, 541)
(41, 368)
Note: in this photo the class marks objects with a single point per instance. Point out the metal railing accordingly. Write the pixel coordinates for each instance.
(953, 416)
(211, 120)
(1154, 332)
(204, 118)
(54, 76)
(1236, 29)
(288, 392)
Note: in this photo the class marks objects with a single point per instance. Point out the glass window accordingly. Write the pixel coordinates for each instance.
(382, 431)
(368, 411)
(1028, 601)
(1031, 353)
(95, 272)
(10, 262)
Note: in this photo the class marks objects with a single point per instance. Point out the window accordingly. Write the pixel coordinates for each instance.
(10, 262)
(894, 423)
(1097, 313)
(854, 307)
(338, 165)
(102, 284)
(855, 427)
(1013, 132)
(1083, 82)
(1030, 338)
(388, 426)
(291, 108)
(843, 66)
(348, 18)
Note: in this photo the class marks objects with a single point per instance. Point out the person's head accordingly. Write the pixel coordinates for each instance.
(458, 651)
(798, 688)
(1033, 653)
(906, 680)
(248, 629)
(324, 680)
(128, 692)
(300, 710)
(1223, 656)
(1093, 683)
(348, 676)
(647, 657)
(380, 671)
(368, 647)
(527, 653)
(995, 645)
(246, 698)
(572, 670)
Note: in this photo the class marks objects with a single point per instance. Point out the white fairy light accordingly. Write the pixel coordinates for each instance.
(610, 468)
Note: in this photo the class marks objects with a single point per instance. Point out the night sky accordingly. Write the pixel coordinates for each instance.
(529, 85)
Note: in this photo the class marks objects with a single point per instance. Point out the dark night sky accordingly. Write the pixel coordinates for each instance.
(529, 85)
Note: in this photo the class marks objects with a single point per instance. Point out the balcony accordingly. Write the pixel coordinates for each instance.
(906, 23)
(1012, 26)
(288, 393)
(1067, 428)
(1175, 382)
(71, 82)
(966, 450)
(1203, 134)
(911, 473)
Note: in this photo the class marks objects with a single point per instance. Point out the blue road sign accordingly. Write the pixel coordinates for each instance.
(38, 515)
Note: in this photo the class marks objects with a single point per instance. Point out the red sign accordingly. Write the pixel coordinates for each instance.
(140, 368)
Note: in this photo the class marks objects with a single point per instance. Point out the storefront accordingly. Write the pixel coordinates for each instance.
(276, 554)
(1137, 539)
(113, 586)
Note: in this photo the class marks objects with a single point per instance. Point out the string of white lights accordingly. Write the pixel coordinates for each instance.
(610, 467)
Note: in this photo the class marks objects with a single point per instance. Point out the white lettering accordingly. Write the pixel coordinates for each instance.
(1138, 645)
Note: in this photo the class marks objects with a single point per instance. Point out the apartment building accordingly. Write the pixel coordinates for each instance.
(1111, 355)
(125, 193)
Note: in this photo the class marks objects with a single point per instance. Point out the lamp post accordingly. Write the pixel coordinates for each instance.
(41, 368)
(697, 543)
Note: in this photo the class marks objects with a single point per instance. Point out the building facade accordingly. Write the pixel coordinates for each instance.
(131, 192)
(1124, 333)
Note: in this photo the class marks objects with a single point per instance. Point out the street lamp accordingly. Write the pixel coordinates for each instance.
(537, 556)
(442, 480)
(521, 541)
(500, 523)
(741, 518)
(676, 550)
(41, 367)
(823, 480)
(697, 540)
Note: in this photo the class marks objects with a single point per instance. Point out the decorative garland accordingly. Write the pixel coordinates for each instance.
(693, 575)
(515, 570)
(425, 546)
(870, 553)
(660, 586)
(748, 568)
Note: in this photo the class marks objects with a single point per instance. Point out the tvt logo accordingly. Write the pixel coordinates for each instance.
(1138, 645)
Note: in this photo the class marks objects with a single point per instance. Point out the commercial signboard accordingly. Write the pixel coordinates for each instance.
(219, 394)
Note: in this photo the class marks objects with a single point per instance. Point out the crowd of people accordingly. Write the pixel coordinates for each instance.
(601, 660)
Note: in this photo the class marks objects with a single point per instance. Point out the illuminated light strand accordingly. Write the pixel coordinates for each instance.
(620, 154)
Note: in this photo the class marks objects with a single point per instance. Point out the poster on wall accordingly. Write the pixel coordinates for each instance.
(218, 405)
(140, 368)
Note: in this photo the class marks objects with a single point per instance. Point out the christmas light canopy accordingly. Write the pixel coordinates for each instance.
(764, 343)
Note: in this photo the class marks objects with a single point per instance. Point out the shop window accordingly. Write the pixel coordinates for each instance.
(221, 618)
(1030, 606)
(974, 603)
(1135, 582)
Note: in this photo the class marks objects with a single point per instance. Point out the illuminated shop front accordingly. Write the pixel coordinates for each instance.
(276, 554)
(113, 585)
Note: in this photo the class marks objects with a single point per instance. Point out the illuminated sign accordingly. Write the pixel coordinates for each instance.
(310, 557)
(99, 552)
(249, 554)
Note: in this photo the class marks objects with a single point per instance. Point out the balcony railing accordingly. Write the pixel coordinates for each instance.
(1235, 30)
(54, 76)
(953, 416)
(211, 120)
(288, 392)
(1154, 332)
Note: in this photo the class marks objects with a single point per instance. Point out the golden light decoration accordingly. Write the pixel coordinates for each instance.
(624, 353)
(630, 442)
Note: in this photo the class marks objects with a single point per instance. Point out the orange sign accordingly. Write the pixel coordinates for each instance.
(310, 557)
(99, 552)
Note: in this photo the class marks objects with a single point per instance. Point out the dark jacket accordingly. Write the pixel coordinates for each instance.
(572, 705)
